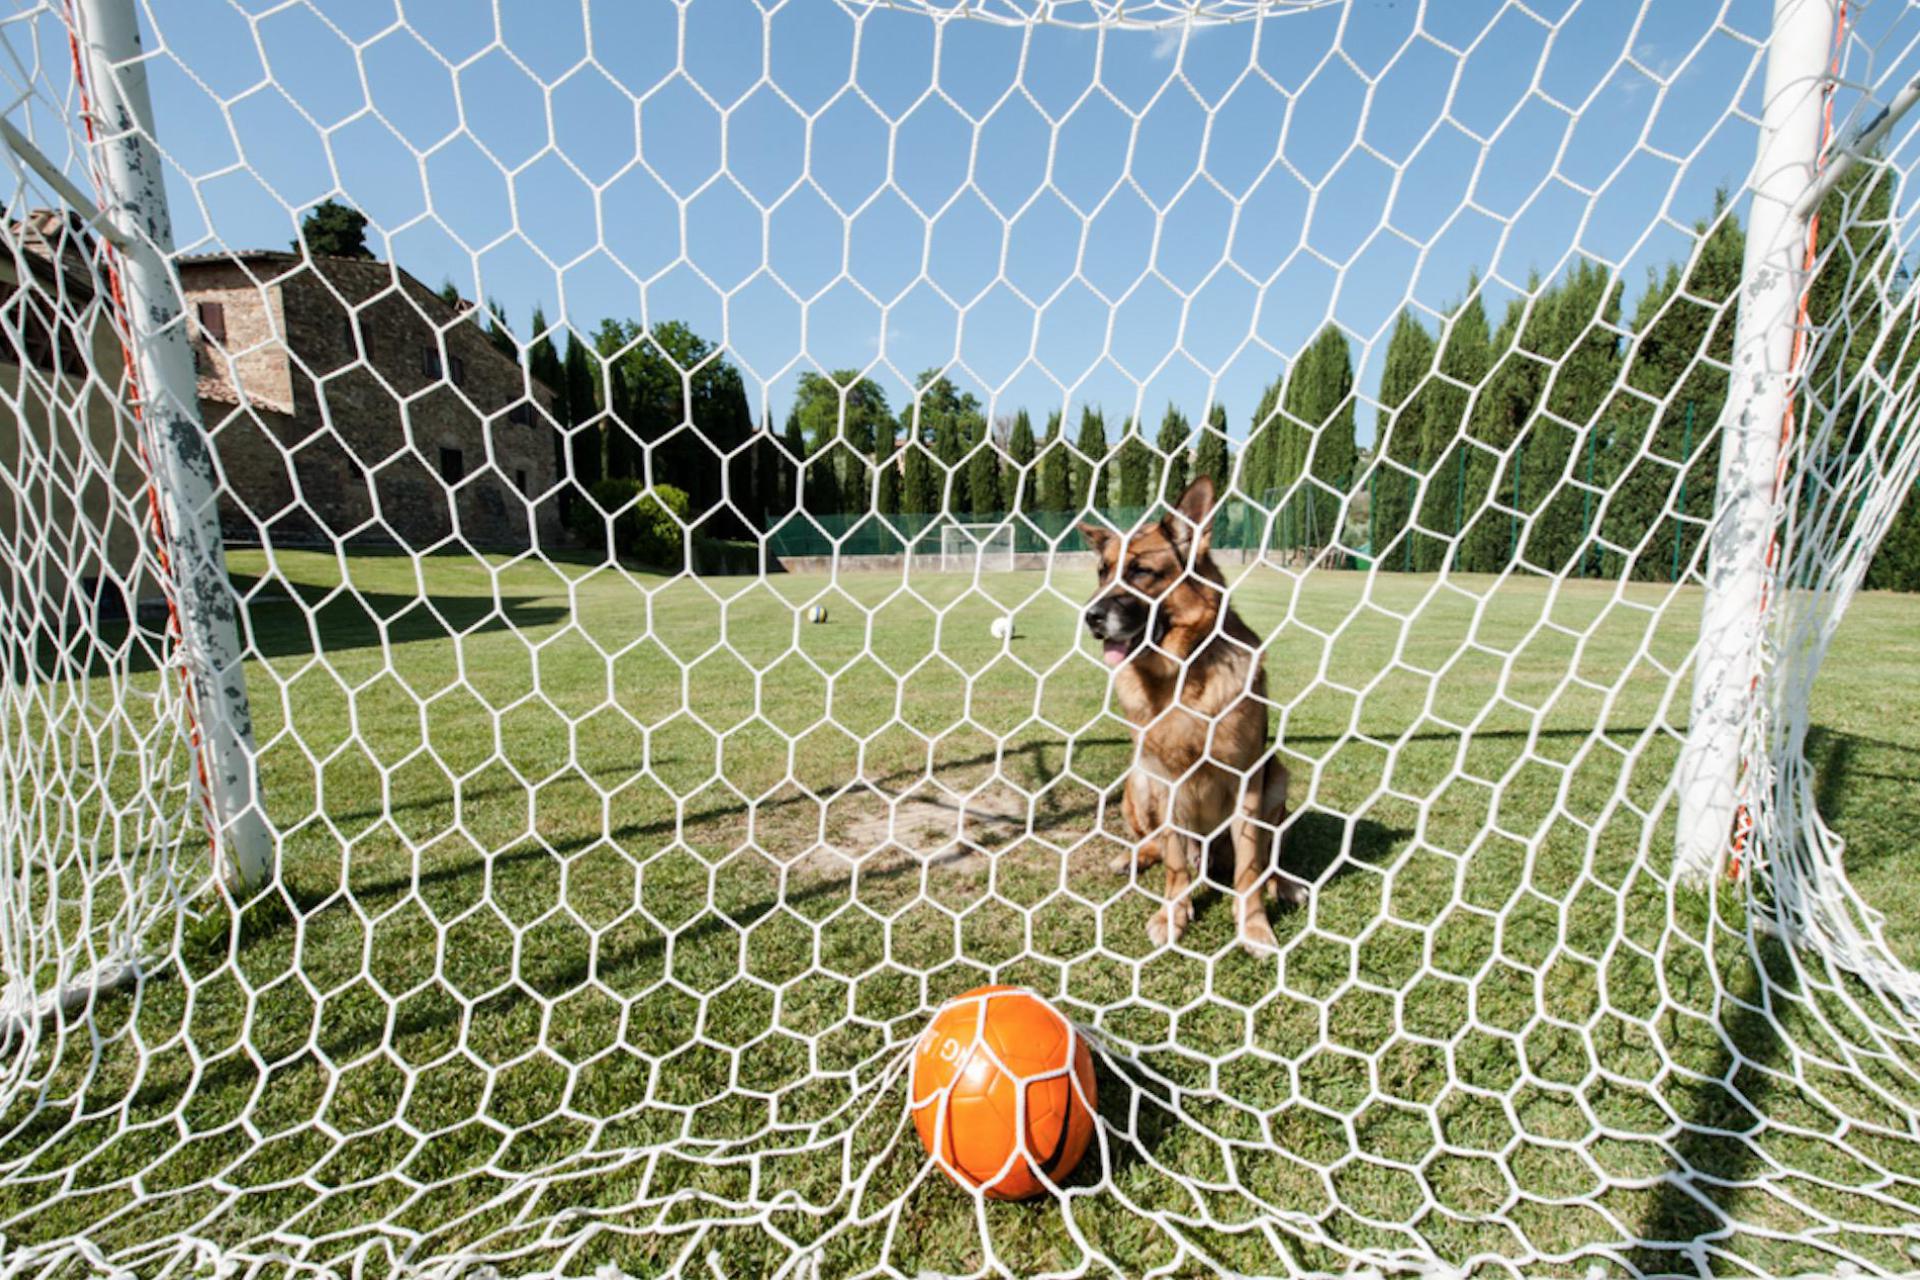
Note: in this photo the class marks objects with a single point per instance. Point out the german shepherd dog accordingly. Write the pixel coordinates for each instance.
(1187, 675)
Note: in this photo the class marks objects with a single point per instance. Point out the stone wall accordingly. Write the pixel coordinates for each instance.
(73, 510)
(405, 426)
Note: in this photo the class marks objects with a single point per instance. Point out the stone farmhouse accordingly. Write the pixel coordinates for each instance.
(350, 403)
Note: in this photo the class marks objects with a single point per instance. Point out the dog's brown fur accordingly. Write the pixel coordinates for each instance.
(1193, 691)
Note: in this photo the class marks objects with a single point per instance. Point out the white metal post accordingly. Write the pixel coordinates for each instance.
(180, 455)
(1726, 660)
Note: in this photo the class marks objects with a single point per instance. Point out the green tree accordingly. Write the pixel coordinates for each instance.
(1260, 460)
(1398, 435)
(1466, 354)
(1135, 467)
(334, 230)
(677, 408)
(794, 439)
(843, 415)
(1018, 480)
(1055, 476)
(763, 485)
(499, 332)
(1172, 447)
(546, 370)
(950, 451)
(1859, 307)
(940, 418)
(581, 416)
(1661, 438)
(1495, 418)
(1088, 471)
(1896, 565)
(1213, 460)
(886, 462)
(625, 452)
(921, 486)
(1575, 331)
(1213, 453)
(983, 468)
(543, 360)
(1315, 452)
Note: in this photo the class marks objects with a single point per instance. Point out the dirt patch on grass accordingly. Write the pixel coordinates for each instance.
(932, 824)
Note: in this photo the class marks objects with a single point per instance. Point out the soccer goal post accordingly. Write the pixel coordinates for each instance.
(976, 548)
(485, 791)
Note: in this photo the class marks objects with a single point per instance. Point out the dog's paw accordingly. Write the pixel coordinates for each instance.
(1256, 935)
(1167, 924)
(1284, 888)
(1124, 863)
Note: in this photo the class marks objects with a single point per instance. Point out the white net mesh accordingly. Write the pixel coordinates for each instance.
(636, 794)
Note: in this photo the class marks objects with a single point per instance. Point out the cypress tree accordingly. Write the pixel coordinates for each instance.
(583, 441)
(1853, 286)
(1260, 464)
(1088, 470)
(1055, 482)
(1896, 565)
(1494, 421)
(624, 451)
(1212, 454)
(766, 475)
(1577, 335)
(983, 468)
(1172, 447)
(950, 448)
(1858, 303)
(1136, 469)
(1018, 481)
(1213, 458)
(1663, 438)
(791, 465)
(1316, 451)
(1465, 356)
(1397, 436)
(920, 482)
(499, 333)
(543, 360)
(886, 462)
(545, 368)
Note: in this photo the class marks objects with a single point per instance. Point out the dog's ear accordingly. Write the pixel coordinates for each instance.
(1190, 524)
(1097, 536)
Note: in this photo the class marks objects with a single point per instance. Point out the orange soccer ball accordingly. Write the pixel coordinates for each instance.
(982, 1053)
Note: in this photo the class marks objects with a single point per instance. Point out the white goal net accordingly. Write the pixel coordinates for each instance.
(488, 787)
(976, 548)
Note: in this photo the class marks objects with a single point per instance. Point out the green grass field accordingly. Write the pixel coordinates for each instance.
(644, 885)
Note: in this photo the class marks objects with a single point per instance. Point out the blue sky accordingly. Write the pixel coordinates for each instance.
(1063, 216)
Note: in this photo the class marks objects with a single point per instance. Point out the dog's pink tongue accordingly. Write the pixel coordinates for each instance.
(1115, 652)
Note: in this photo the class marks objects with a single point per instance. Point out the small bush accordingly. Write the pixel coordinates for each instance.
(643, 524)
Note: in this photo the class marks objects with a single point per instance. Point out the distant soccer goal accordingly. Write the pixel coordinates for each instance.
(977, 548)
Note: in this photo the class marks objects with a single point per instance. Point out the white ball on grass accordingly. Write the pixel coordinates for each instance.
(1002, 628)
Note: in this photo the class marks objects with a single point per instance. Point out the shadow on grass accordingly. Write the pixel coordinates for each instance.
(1855, 771)
(1716, 1148)
(1320, 846)
(276, 626)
